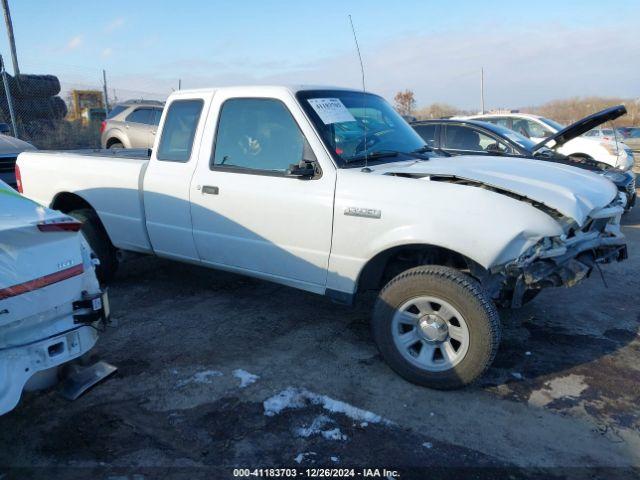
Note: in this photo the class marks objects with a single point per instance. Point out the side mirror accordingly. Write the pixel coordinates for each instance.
(5, 129)
(305, 169)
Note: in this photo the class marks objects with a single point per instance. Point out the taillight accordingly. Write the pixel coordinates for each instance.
(59, 226)
(18, 179)
(103, 125)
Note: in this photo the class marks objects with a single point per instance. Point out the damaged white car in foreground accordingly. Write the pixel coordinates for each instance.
(50, 301)
(331, 191)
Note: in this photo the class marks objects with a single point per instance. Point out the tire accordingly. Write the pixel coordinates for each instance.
(30, 109)
(116, 145)
(34, 86)
(454, 311)
(99, 242)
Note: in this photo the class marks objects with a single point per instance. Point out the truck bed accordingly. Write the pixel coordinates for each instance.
(130, 153)
(97, 176)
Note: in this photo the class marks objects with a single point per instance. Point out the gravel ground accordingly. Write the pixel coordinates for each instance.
(218, 371)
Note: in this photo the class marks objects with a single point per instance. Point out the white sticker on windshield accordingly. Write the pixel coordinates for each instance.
(331, 110)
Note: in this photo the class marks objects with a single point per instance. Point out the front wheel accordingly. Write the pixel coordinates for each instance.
(436, 327)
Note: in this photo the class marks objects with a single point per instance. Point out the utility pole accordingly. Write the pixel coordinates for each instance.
(12, 40)
(7, 92)
(179, 84)
(104, 91)
(482, 90)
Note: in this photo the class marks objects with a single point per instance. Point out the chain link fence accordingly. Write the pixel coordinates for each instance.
(51, 114)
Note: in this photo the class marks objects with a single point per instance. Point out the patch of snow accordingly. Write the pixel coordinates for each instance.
(203, 377)
(319, 427)
(570, 386)
(364, 424)
(431, 414)
(335, 459)
(301, 456)
(333, 434)
(517, 375)
(295, 398)
(527, 353)
(427, 445)
(245, 377)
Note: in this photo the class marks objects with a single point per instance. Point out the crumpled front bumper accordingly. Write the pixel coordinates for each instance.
(566, 270)
(564, 261)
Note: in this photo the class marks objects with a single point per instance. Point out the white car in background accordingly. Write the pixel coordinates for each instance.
(51, 304)
(537, 128)
(605, 134)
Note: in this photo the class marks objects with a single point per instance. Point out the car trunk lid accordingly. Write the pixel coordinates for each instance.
(39, 270)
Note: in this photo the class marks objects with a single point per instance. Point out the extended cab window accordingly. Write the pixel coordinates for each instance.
(178, 130)
(257, 134)
(141, 115)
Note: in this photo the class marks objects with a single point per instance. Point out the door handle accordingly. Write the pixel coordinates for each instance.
(208, 189)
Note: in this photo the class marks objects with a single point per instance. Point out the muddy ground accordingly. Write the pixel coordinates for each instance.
(205, 356)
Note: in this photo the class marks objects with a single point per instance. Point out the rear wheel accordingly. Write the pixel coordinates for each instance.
(99, 242)
(436, 327)
(116, 145)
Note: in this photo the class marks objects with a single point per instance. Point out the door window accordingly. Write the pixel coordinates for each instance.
(141, 115)
(257, 135)
(179, 130)
(157, 114)
(530, 129)
(428, 133)
(458, 137)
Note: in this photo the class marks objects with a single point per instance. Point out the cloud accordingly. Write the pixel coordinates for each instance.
(522, 67)
(75, 42)
(107, 52)
(115, 24)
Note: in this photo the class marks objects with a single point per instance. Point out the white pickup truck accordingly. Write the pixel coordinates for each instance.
(331, 191)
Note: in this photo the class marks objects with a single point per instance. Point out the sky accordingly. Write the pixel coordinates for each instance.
(531, 52)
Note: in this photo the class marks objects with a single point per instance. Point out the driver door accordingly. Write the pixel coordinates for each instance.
(248, 215)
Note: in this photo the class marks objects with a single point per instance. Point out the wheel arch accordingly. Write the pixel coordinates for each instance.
(66, 202)
(392, 261)
(115, 136)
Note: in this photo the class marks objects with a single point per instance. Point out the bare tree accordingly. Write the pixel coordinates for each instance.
(438, 110)
(405, 102)
(572, 109)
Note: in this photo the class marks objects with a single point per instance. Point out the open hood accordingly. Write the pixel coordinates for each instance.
(568, 190)
(581, 126)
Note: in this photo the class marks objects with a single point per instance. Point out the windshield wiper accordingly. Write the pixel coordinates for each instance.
(373, 156)
(427, 148)
(423, 149)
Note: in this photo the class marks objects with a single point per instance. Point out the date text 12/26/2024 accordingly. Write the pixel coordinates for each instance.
(315, 473)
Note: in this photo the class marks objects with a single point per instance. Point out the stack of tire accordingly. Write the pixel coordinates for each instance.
(35, 99)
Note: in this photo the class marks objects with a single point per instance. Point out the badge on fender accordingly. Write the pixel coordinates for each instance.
(362, 212)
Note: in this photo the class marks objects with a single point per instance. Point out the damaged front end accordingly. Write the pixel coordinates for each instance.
(561, 261)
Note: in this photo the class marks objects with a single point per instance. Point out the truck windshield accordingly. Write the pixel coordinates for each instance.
(357, 125)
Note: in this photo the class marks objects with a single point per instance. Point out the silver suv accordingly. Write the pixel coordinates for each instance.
(131, 124)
